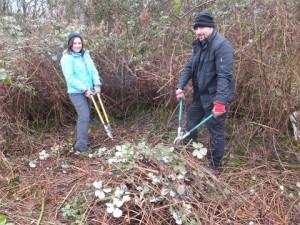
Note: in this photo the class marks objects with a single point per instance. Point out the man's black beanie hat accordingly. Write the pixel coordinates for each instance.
(204, 19)
(72, 35)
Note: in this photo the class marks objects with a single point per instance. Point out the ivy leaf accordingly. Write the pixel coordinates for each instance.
(181, 190)
(177, 218)
(21, 87)
(2, 220)
(164, 191)
(172, 193)
(8, 80)
(227, 191)
(54, 57)
(126, 198)
(117, 213)
(100, 194)
(180, 168)
(43, 155)
(97, 184)
(32, 164)
(193, 222)
(200, 153)
(119, 192)
(197, 145)
(107, 190)
(117, 202)
(110, 207)
(4, 75)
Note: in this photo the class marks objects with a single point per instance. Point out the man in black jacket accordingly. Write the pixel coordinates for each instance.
(211, 70)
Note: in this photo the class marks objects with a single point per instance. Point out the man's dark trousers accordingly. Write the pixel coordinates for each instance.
(215, 126)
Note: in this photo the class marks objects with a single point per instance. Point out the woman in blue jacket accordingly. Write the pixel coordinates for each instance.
(81, 77)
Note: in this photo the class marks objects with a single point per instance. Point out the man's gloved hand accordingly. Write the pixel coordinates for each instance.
(219, 109)
(97, 89)
(180, 94)
(88, 93)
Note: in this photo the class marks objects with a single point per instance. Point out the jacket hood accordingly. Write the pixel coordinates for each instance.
(75, 54)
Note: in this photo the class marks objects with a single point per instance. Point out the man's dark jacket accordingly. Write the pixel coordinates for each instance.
(211, 70)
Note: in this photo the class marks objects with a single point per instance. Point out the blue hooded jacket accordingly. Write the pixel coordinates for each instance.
(79, 71)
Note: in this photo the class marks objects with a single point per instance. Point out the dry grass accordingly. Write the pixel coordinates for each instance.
(139, 72)
(247, 190)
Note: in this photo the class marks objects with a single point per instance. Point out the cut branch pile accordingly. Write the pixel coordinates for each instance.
(161, 185)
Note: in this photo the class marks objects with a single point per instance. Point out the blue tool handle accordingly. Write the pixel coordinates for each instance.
(180, 111)
(202, 123)
(197, 126)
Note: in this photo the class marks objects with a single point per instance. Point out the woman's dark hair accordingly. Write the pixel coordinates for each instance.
(69, 47)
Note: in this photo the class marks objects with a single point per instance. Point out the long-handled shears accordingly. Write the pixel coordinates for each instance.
(179, 130)
(105, 122)
(181, 135)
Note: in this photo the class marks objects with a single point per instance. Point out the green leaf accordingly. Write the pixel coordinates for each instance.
(193, 222)
(227, 191)
(254, 177)
(5, 76)
(200, 153)
(2, 220)
(54, 58)
(197, 145)
(146, 189)
(180, 168)
(21, 87)
(7, 80)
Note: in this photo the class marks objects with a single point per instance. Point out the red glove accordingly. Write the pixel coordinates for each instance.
(180, 94)
(219, 107)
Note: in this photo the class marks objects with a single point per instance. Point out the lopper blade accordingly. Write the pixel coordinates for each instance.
(108, 130)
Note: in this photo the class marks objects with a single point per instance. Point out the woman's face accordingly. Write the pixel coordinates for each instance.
(77, 45)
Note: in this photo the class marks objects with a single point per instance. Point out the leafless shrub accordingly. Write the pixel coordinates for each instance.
(140, 67)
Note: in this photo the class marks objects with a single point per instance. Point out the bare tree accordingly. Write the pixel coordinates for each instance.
(5, 7)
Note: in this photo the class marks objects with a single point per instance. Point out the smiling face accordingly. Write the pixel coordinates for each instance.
(77, 45)
(202, 33)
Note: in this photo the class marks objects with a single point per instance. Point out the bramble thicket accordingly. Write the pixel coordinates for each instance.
(141, 47)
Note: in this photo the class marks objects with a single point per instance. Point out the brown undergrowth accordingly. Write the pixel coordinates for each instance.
(248, 190)
(140, 68)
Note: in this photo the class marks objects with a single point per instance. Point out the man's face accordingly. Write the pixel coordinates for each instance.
(203, 32)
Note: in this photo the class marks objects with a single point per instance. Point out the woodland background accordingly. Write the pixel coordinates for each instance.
(140, 48)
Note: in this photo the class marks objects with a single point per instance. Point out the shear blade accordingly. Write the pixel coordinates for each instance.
(108, 131)
(177, 140)
(110, 134)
